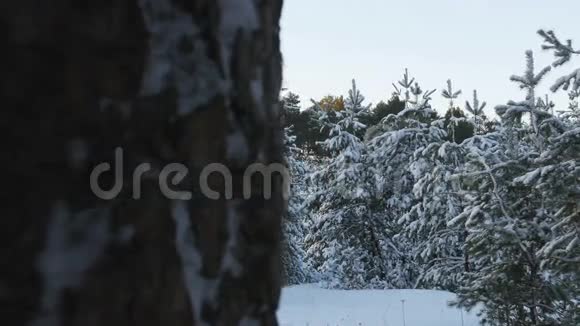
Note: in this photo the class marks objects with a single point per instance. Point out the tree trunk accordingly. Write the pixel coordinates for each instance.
(165, 81)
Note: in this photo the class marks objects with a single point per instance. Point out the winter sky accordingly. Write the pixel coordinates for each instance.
(476, 43)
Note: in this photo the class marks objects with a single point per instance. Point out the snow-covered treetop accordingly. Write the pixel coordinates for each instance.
(475, 108)
(355, 99)
(530, 80)
(422, 98)
(291, 102)
(411, 87)
(406, 83)
(450, 94)
(513, 111)
(345, 123)
(563, 53)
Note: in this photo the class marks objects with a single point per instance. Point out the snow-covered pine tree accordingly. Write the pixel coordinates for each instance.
(344, 242)
(456, 124)
(476, 110)
(450, 94)
(505, 230)
(557, 175)
(555, 179)
(354, 102)
(410, 87)
(291, 102)
(514, 194)
(295, 271)
(405, 91)
(437, 247)
(421, 98)
(512, 112)
(390, 153)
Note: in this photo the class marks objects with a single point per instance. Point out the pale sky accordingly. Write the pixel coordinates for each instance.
(476, 43)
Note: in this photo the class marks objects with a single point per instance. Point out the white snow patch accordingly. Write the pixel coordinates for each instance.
(310, 305)
(200, 290)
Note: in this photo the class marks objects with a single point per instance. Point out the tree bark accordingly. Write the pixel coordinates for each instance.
(167, 81)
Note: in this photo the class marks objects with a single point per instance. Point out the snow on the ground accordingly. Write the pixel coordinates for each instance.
(310, 305)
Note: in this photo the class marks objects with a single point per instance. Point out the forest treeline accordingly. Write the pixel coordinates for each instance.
(396, 196)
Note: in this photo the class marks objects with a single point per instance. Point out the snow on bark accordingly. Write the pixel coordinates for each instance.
(199, 288)
(177, 58)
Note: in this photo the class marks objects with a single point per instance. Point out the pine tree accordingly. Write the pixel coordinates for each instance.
(295, 271)
(457, 126)
(406, 84)
(437, 247)
(450, 94)
(354, 102)
(342, 245)
(290, 104)
(390, 153)
(515, 180)
(410, 87)
(504, 232)
(513, 111)
(476, 110)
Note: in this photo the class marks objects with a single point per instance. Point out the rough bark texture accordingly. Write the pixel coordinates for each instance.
(169, 81)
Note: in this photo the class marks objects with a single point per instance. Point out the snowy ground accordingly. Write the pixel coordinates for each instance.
(312, 306)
